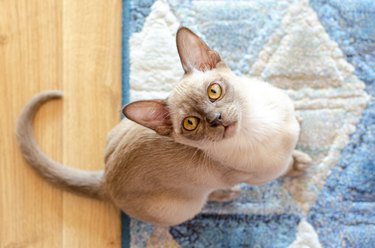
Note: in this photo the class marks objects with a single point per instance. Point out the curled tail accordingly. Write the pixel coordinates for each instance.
(78, 181)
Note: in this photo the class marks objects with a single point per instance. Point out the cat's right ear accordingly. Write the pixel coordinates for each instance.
(153, 114)
(194, 53)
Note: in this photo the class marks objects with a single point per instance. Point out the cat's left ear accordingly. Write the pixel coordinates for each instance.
(194, 53)
(153, 114)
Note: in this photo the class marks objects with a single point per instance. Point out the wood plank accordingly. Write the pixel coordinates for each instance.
(74, 46)
(91, 82)
(30, 61)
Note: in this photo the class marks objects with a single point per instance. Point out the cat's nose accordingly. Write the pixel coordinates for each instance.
(214, 119)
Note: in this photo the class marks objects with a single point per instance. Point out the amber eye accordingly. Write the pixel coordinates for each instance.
(214, 91)
(190, 123)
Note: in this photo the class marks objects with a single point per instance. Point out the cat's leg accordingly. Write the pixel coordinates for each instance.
(298, 164)
(225, 195)
(161, 238)
(300, 161)
(299, 119)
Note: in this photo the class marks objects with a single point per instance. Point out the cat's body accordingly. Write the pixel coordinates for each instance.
(255, 155)
(170, 157)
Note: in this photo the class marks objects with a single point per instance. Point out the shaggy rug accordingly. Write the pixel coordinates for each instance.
(322, 52)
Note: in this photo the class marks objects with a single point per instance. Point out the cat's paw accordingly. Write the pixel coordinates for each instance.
(300, 162)
(299, 119)
(225, 195)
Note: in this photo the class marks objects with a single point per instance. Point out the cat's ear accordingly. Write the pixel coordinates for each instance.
(152, 114)
(194, 53)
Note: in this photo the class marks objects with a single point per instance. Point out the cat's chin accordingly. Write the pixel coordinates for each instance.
(230, 130)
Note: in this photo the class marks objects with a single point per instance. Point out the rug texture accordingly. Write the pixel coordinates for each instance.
(322, 52)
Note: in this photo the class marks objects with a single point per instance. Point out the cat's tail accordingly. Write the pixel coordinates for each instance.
(88, 183)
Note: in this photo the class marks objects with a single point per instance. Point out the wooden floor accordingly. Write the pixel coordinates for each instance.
(73, 45)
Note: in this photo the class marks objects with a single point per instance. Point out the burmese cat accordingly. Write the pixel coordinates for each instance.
(162, 163)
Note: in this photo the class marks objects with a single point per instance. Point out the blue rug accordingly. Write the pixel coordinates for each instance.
(323, 53)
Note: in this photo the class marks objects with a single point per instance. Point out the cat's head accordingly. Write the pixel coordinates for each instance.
(204, 107)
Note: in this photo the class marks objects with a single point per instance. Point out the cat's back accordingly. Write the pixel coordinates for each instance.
(146, 172)
(130, 136)
(264, 92)
(130, 144)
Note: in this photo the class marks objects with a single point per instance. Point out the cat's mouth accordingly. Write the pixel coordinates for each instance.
(229, 130)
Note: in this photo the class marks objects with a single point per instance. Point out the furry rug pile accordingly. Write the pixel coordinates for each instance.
(322, 53)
